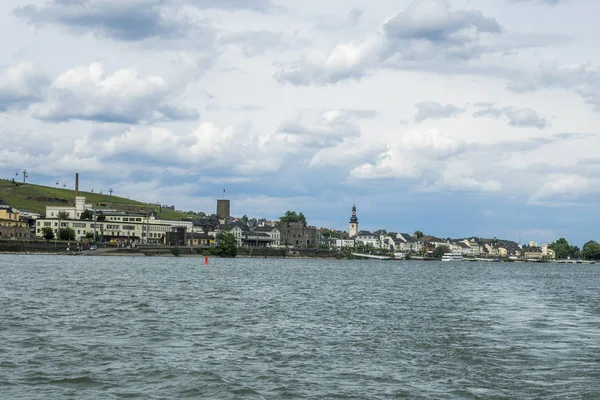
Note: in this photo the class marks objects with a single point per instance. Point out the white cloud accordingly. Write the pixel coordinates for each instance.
(548, 2)
(88, 93)
(583, 79)
(517, 117)
(323, 129)
(259, 42)
(428, 30)
(434, 21)
(463, 180)
(412, 156)
(345, 61)
(434, 110)
(207, 147)
(561, 186)
(21, 86)
(131, 20)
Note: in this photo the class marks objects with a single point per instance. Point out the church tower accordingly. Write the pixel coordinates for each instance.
(353, 222)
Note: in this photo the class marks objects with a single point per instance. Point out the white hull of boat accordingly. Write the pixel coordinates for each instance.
(452, 257)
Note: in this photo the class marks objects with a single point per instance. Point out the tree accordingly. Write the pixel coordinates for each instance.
(66, 234)
(89, 235)
(591, 250)
(574, 252)
(418, 234)
(87, 215)
(244, 219)
(291, 216)
(326, 233)
(48, 233)
(101, 217)
(226, 244)
(439, 251)
(561, 248)
(63, 215)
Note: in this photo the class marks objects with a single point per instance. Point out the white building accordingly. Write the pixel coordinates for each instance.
(73, 212)
(343, 243)
(407, 243)
(259, 237)
(375, 240)
(117, 226)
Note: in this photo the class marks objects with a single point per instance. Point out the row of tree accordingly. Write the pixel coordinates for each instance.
(63, 233)
(563, 250)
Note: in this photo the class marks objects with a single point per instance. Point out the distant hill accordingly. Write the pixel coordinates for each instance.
(35, 198)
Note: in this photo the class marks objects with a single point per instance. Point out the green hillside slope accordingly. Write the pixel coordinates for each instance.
(28, 197)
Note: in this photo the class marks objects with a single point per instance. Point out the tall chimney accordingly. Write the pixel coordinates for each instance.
(76, 184)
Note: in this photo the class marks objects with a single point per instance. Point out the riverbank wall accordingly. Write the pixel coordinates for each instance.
(61, 247)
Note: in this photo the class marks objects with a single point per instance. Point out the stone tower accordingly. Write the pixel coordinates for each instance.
(353, 222)
(223, 209)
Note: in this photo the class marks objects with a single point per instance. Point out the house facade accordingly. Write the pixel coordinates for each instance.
(343, 243)
(12, 224)
(532, 253)
(199, 239)
(408, 243)
(548, 253)
(265, 236)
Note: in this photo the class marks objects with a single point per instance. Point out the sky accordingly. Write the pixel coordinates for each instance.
(458, 118)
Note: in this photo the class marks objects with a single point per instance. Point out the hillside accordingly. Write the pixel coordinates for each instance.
(35, 198)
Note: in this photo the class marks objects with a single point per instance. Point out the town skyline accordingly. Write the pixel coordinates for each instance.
(337, 225)
(72, 218)
(454, 118)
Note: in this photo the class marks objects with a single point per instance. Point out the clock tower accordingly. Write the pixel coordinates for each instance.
(353, 222)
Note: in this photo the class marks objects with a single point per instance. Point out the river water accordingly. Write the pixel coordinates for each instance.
(171, 328)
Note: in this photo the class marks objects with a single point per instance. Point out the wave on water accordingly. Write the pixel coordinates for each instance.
(95, 327)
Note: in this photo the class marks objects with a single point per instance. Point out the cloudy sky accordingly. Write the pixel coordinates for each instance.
(457, 118)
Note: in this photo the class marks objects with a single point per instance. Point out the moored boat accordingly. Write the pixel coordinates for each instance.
(452, 257)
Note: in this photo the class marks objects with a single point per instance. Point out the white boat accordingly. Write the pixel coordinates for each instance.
(452, 257)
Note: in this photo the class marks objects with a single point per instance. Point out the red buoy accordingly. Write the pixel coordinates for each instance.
(205, 260)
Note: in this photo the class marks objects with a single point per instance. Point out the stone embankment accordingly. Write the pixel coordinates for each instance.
(65, 248)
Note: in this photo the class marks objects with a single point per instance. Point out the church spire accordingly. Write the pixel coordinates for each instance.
(353, 218)
(353, 222)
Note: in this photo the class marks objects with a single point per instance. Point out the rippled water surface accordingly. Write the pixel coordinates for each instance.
(166, 328)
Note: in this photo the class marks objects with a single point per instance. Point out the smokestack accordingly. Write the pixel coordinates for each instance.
(76, 184)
